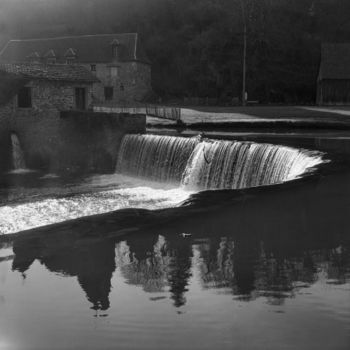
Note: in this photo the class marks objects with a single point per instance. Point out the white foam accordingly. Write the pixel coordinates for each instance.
(21, 171)
(19, 217)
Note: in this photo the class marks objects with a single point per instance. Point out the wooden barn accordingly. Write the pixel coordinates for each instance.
(333, 83)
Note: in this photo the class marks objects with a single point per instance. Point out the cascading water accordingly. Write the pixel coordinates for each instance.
(18, 162)
(186, 164)
(207, 164)
(160, 158)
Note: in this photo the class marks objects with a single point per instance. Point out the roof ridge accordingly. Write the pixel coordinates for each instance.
(30, 64)
(70, 37)
(50, 71)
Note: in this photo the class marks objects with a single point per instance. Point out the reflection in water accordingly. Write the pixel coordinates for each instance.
(157, 264)
(240, 265)
(143, 263)
(246, 256)
(180, 253)
(267, 273)
(214, 260)
(92, 262)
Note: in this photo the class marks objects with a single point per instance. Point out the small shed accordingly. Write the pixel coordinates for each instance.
(333, 82)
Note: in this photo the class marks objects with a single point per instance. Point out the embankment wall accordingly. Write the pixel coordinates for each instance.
(67, 140)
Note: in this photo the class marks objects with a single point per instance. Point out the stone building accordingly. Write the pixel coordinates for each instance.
(117, 60)
(46, 105)
(46, 88)
(333, 82)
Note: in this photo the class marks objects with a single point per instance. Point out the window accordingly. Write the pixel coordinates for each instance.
(114, 72)
(115, 51)
(93, 67)
(121, 87)
(80, 98)
(115, 44)
(70, 56)
(24, 98)
(51, 60)
(108, 93)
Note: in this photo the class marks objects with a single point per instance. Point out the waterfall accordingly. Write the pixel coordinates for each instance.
(208, 164)
(18, 162)
(225, 164)
(159, 158)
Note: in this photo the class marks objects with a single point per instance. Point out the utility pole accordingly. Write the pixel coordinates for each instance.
(244, 63)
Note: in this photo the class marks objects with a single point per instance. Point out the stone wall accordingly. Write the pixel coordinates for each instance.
(131, 81)
(90, 141)
(55, 137)
(56, 95)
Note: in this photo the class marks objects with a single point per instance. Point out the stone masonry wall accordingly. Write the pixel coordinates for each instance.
(53, 141)
(134, 77)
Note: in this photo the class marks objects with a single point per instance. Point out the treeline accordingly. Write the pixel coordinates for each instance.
(196, 45)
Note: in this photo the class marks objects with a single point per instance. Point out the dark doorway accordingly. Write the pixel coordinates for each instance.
(80, 98)
(108, 93)
(24, 97)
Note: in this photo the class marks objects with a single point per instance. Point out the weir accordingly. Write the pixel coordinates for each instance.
(158, 158)
(199, 164)
(178, 167)
(18, 161)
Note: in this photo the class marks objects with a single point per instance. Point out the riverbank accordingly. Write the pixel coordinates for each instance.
(259, 116)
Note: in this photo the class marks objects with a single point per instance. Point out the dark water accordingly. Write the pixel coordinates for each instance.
(263, 268)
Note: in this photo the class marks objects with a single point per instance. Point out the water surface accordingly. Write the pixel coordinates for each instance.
(262, 268)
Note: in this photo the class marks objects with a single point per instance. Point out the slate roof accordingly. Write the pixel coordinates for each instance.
(88, 48)
(335, 61)
(55, 72)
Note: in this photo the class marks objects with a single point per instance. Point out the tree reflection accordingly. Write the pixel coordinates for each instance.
(92, 262)
(143, 263)
(179, 270)
(165, 263)
(245, 266)
(250, 269)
